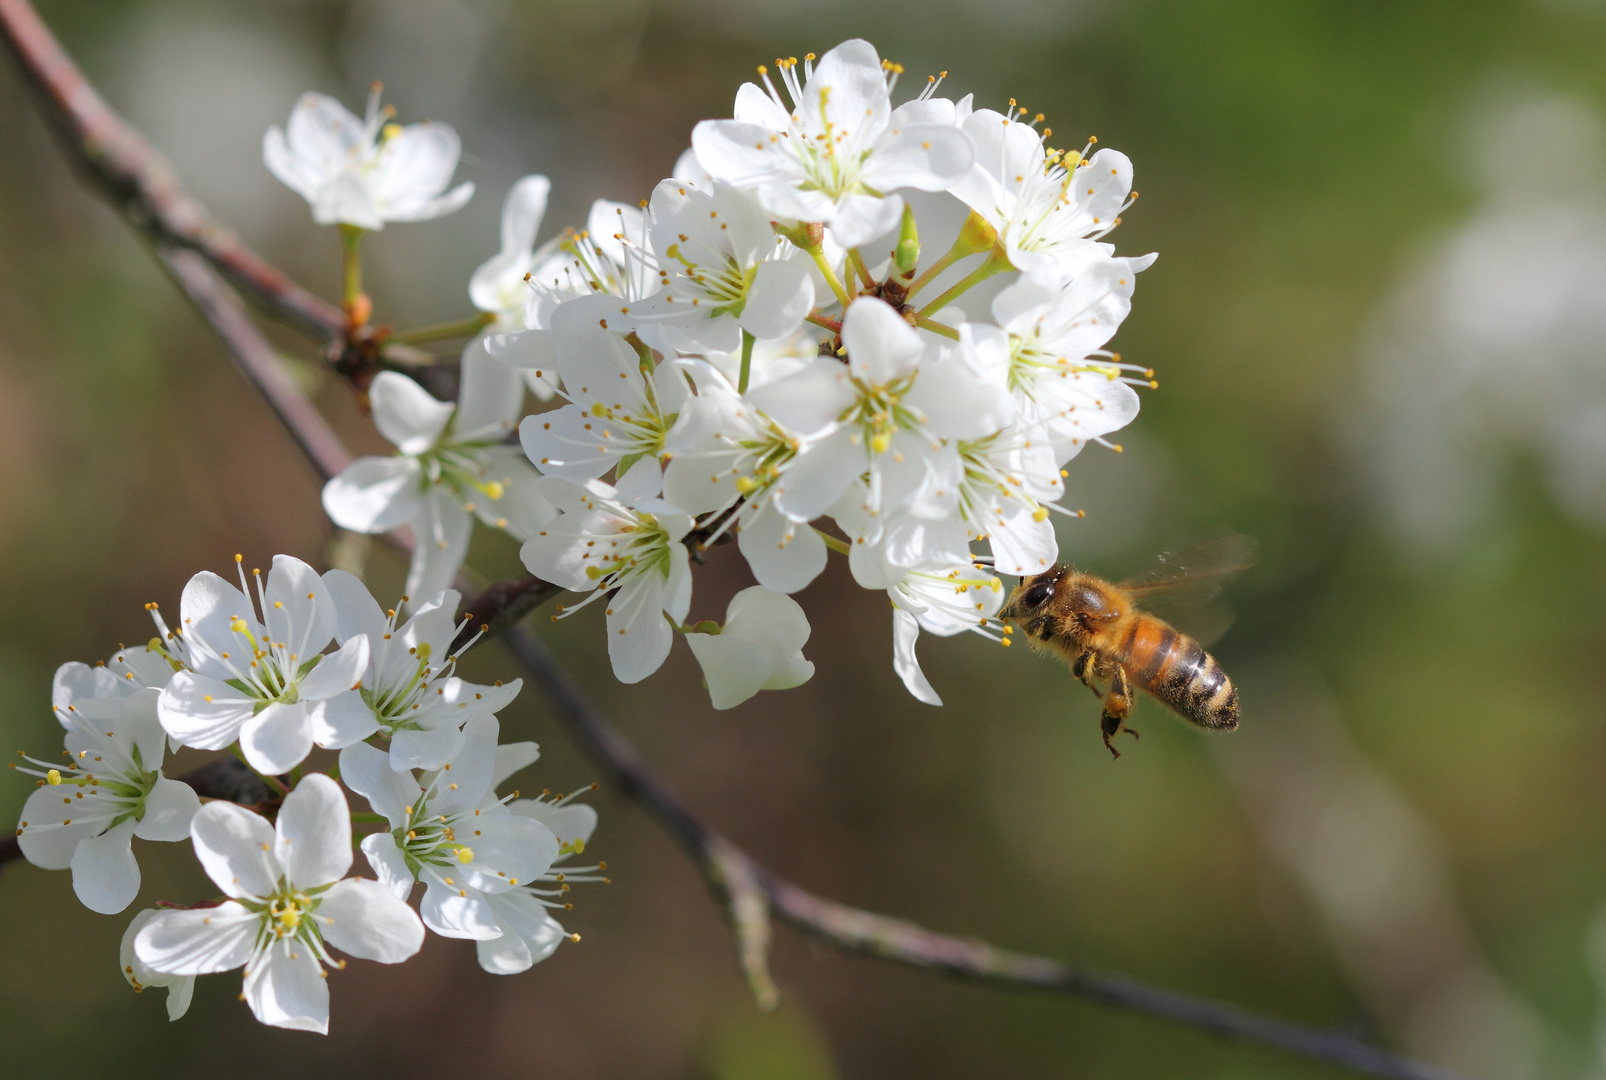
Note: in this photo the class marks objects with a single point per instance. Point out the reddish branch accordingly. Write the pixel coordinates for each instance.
(195, 250)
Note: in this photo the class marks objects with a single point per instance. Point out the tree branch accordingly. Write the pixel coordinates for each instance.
(123, 167)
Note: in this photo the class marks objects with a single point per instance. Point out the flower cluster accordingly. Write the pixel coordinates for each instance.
(272, 669)
(758, 352)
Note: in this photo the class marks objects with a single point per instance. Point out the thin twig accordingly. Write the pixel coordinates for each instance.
(124, 168)
(135, 179)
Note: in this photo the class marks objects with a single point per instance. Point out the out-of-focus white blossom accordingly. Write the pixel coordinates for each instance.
(365, 172)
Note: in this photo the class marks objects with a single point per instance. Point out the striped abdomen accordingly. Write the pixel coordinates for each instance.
(1176, 669)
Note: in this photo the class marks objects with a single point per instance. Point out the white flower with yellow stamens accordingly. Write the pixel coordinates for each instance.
(365, 172)
(838, 152)
(1049, 347)
(289, 900)
(943, 600)
(410, 692)
(453, 463)
(623, 543)
(449, 832)
(1048, 206)
(108, 790)
(263, 679)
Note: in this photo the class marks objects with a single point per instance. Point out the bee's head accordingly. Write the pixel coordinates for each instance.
(1032, 594)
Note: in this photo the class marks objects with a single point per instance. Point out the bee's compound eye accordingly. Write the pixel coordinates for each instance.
(1037, 594)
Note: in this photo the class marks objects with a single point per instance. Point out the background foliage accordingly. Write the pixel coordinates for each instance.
(1407, 830)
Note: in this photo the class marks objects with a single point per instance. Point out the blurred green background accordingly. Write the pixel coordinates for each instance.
(1378, 321)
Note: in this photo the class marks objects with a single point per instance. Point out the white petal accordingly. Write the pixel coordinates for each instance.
(522, 212)
(735, 670)
(139, 729)
(808, 401)
(313, 833)
(818, 476)
(405, 414)
(365, 920)
(200, 941)
(105, 875)
(208, 607)
(456, 912)
(882, 347)
(74, 681)
(342, 720)
(203, 712)
(300, 612)
(490, 397)
(389, 864)
(862, 218)
(169, 809)
(924, 156)
(277, 739)
(781, 294)
(768, 619)
(440, 535)
(179, 996)
(904, 632)
(235, 847)
(425, 749)
(367, 771)
(336, 673)
(569, 822)
(781, 562)
(414, 166)
(512, 757)
(285, 988)
(529, 934)
(374, 494)
(56, 825)
(356, 610)
(638, 637)
(471, 769)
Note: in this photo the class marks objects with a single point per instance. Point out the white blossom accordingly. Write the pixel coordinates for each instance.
(453, 463)
(619, 408)
(263, 679)
(622, 543)
(890, 412)
(410, 691)
(450, 832)
(837, 154)
(1047, 206)
(141, 976)
(942, 600)
(1049, 345)
(530, 934)
(498, 287)
(760, 647)
(365, 172)
(109, 790)
(289, 899)
(723, 270)
(727, 458)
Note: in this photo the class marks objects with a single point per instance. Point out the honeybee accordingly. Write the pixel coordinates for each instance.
(1099, 630)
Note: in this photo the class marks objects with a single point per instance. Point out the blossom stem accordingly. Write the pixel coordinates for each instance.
(457, 328)
(833, 325)
(975, 236)
(857, 262)
(836, 544)
(351, 243)
(997, 260)
(936, 327)
(817, 253)
(747, 362)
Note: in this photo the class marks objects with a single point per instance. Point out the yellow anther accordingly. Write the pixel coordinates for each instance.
(579, 845)
(1040, 514)
(746, 485)
(54, 776)
(390, 131)
(493, 489)
(465, 854)
(881, 442)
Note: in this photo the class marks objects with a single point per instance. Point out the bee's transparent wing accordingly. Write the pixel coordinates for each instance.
(1183, 587)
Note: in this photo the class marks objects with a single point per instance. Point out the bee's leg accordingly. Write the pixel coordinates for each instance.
(1116, 707)
(1085, 668)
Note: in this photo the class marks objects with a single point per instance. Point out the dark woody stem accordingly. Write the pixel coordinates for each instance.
(204, 259)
